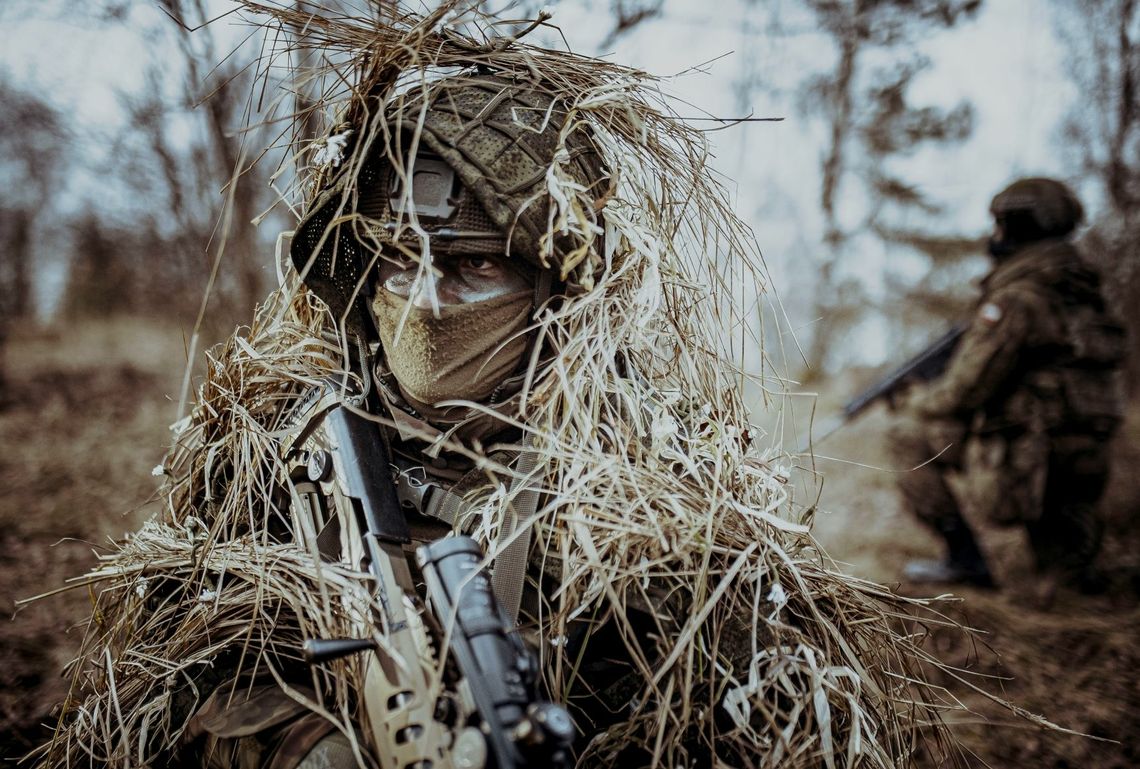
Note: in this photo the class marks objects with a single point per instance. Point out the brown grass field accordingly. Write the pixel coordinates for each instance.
(84, 418)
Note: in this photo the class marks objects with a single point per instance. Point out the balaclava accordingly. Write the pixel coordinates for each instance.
(464, 352)
(481, 151)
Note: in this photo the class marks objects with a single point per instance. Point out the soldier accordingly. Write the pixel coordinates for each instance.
(532, 333)
(437, 266)
(442, 278)
(1026, 405)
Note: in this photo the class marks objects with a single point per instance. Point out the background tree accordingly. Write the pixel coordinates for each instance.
(1102, 134)
(192, 162)
(869, 120)
(217, 167)
(32, 154)
(914, 306)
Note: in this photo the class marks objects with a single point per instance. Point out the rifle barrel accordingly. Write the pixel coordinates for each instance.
(926, 365)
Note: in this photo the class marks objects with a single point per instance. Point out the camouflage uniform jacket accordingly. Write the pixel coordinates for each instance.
(1041, 353)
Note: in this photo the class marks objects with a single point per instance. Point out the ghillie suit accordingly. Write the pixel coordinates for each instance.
(677, 607)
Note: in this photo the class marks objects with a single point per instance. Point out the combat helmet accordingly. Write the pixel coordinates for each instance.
(1036, 208)
(479, 148)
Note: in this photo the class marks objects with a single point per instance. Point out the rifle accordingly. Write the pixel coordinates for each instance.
(481, 709)
(926, 365)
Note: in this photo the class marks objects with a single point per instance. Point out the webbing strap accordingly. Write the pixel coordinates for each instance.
(508, 574)
(444, 505)
(417, 491)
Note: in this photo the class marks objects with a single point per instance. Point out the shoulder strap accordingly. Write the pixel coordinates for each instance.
(509, 573)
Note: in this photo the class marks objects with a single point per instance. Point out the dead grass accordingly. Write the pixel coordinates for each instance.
(83, 420)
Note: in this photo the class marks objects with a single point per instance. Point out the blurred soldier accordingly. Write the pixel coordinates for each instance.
(1026, 405)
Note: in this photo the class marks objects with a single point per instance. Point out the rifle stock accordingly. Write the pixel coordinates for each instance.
(483, 710)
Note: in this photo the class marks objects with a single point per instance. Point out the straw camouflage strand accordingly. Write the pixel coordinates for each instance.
(656, 485)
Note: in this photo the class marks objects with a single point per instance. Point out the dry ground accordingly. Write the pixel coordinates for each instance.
(84, 419)
(1076, 662)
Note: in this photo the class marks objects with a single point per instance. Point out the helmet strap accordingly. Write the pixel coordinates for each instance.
(543, 284)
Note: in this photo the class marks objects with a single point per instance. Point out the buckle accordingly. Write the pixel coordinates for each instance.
(413, 490)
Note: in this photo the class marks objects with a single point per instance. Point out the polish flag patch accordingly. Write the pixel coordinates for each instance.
(990, 314)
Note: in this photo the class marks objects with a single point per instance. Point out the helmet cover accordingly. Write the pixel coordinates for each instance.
(484, 147)
(1036, 208)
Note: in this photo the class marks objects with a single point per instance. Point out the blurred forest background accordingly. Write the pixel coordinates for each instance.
(871, 230)
(143, 184)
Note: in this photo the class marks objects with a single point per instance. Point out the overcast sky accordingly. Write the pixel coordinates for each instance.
(1007, 62)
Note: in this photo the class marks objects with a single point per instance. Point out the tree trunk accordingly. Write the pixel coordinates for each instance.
(826, 295)
(18, 253)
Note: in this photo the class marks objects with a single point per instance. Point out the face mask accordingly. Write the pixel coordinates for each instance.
(464, 354)
(999, 248)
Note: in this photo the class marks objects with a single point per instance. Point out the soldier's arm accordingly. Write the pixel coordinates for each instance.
(988, 355)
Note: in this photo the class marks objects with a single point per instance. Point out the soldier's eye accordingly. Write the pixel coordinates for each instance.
(479, 262)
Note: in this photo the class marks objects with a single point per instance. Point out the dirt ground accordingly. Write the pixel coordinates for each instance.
(1075, 662)
(82, 422)
(84, 419)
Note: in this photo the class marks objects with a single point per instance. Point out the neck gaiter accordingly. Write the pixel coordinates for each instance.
(465, 353)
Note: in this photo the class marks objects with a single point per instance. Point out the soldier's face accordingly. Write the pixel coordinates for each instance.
(453, 279)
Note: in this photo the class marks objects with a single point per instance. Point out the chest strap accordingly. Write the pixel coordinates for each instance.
(421, 494)
(418, 492)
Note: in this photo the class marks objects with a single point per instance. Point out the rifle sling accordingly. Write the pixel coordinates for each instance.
(509, 573)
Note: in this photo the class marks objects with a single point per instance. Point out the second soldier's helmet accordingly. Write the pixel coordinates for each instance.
(1036, 208)
(480, 148)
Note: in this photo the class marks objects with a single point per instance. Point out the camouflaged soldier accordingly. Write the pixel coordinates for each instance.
(1026, 405)
(459, 330)
(449, 346)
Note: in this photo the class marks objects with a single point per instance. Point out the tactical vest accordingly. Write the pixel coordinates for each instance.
(1070, 379)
